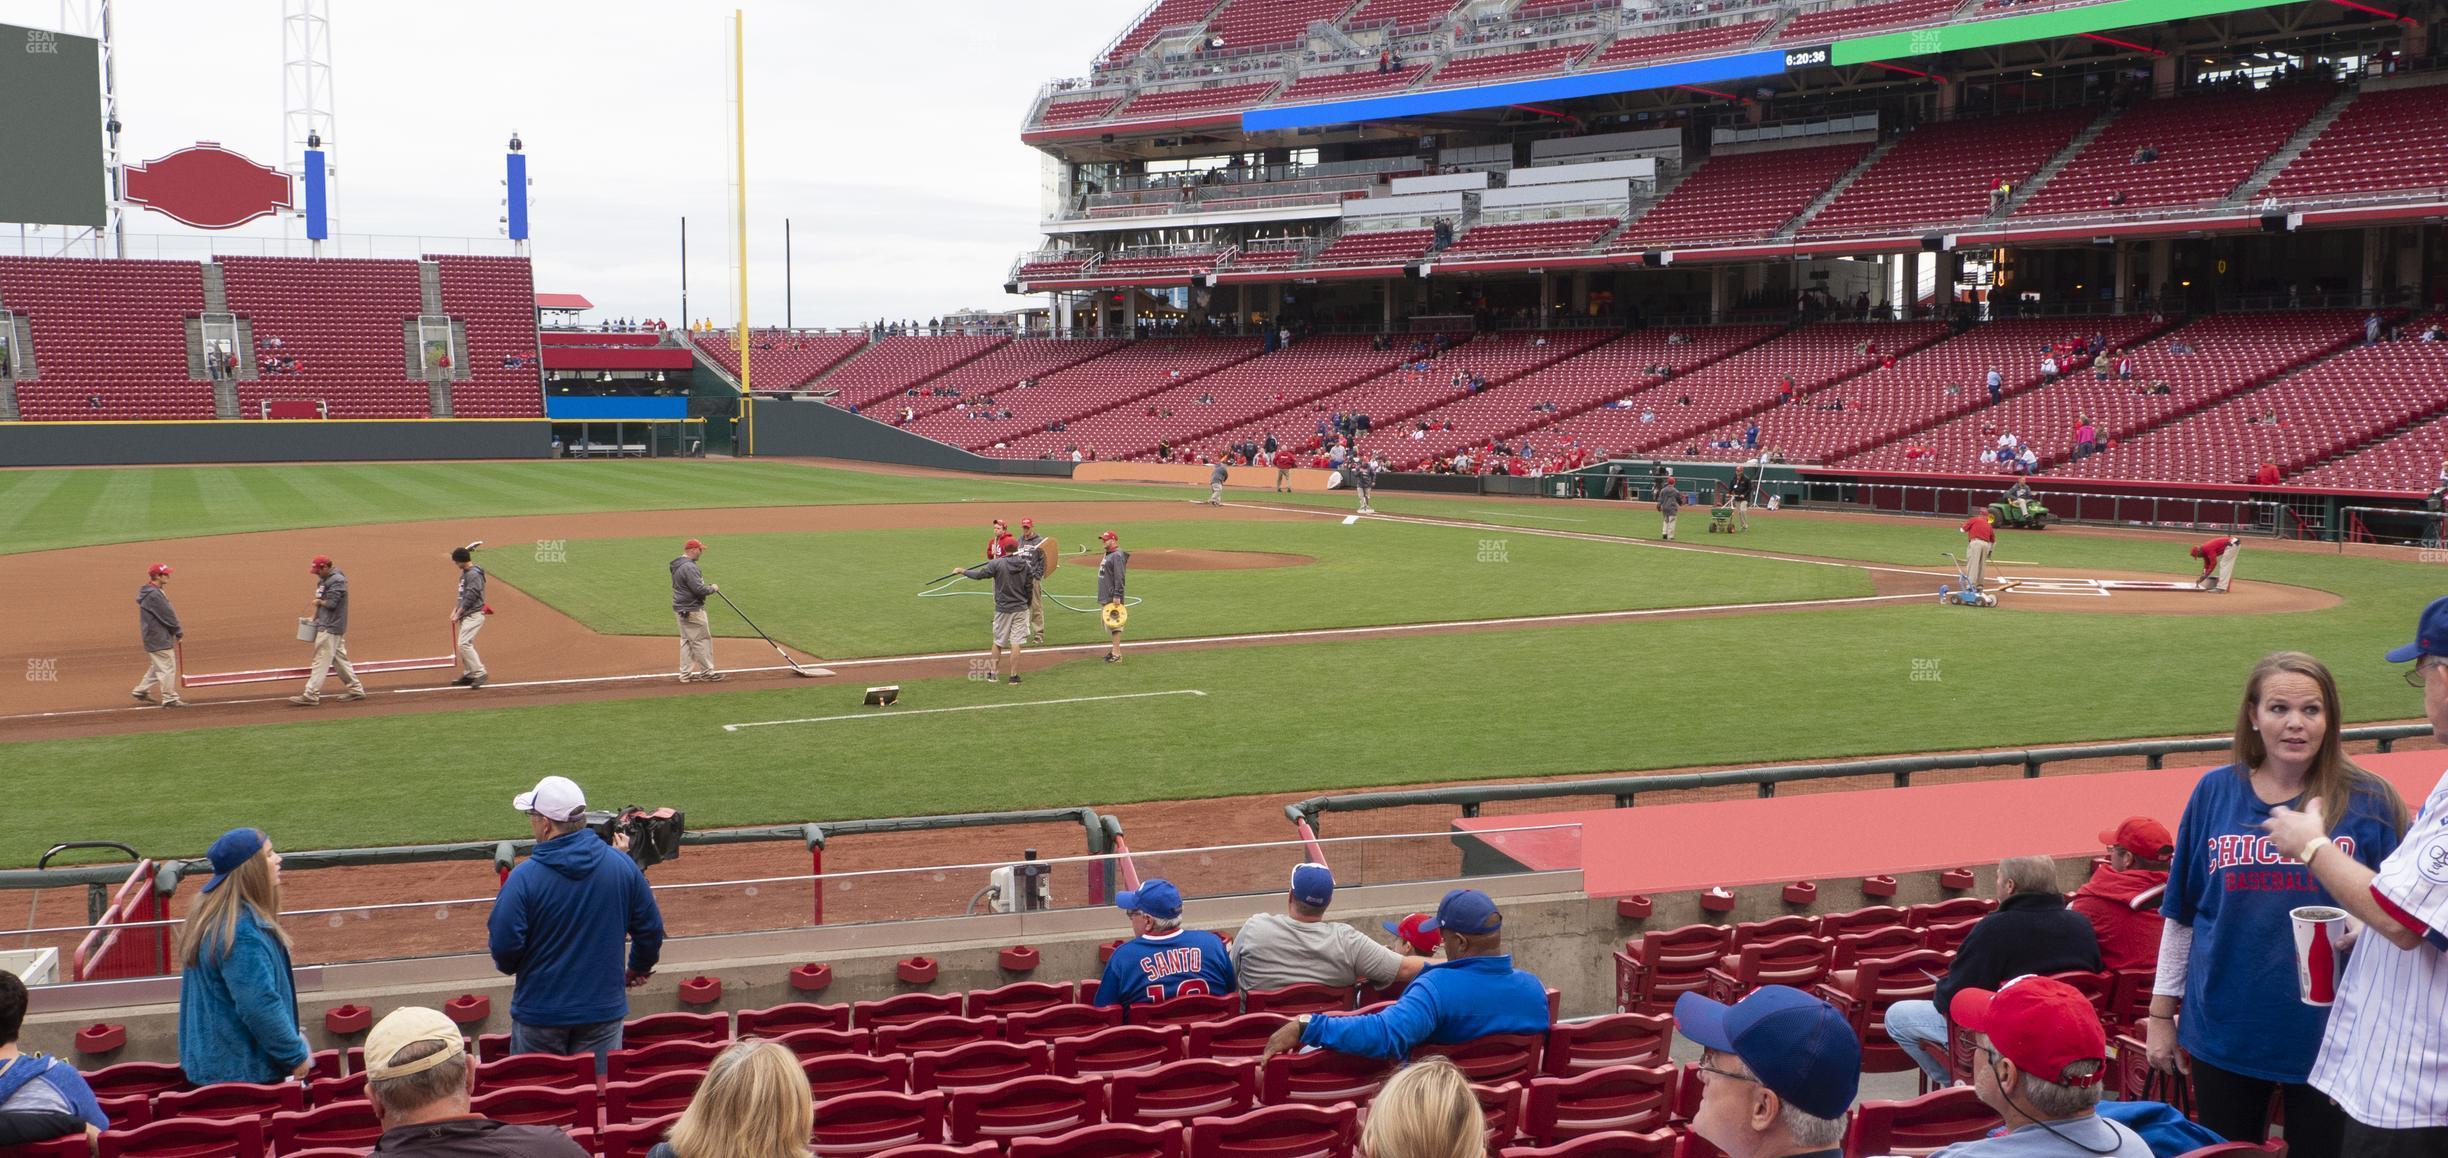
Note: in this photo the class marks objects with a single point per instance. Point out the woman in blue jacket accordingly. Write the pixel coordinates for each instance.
(2226, 989)
(238, 1019)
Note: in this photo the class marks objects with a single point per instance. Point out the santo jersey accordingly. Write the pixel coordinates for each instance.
(1149, 969)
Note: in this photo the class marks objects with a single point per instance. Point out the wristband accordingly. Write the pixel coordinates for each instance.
(2313, 851)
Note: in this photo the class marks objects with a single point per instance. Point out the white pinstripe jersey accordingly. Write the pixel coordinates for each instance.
(2385, 1056)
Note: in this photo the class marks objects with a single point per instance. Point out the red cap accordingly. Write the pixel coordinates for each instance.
(2041, 1024)
(2141, 836)
(1426, 941)
(998, 522)
(320, 562)
(692, 545)
(158, 570)
(1109, 537)
(1025, 524)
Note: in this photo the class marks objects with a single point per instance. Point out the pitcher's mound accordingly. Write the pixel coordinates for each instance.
(1186, 559)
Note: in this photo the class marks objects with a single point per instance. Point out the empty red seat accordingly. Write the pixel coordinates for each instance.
(1021, 997)
(1652, 971)
(857, 1125)
(1615, 1098)
(536, 1069)
(187, 1138)
(1321, 1077)
(835, 1074)
(1276, 1132)
(341, 1124)
(1658, 1143)
(1107, 1141)
(1575, 1047)
(1234, 1037)
(649, 1098)
(1124, 1047)
(540, 1106)
(630, 1139)
(230, 1100)
(1491, 1058)
(1920, 1124)
(1025, 1107)
(777, 1020)
(1060, 1021)
(808, 1043)
(1179, 1091)
(979, 1063)
(1185, 1009)
(1294, 1000)
(623, 1065)
(935, 1033)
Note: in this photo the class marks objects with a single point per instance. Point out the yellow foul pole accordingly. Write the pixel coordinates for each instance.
(739, 151)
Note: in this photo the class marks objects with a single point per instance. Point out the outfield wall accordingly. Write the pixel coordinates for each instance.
(328, 440)
(805, 428)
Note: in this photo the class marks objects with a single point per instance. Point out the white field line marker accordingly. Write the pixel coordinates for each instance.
(889, 715)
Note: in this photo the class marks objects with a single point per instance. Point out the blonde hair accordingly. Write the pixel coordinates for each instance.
(212, 923)
(1426, 1110)
(2333, 778)
(754, 1103)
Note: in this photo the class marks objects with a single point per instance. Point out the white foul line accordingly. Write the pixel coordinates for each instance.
(890, 715)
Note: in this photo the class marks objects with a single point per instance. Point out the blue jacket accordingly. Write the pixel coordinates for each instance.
(1450, 1001)
(1148, 969)
(64, 1081)
(2167, 1132)
(238, 1018)
(557, 927)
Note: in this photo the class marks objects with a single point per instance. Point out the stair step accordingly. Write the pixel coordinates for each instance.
(429, 282)
(225, 400)
(216, 292)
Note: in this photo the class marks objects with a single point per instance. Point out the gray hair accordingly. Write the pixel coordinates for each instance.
(1162, 924)
(2030, 875)
(2049, 1101)
(401, 1096)
(1809, 1131)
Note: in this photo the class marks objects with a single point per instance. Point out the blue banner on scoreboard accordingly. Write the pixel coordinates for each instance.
(516, 197)
(612, 408)
(318, 219)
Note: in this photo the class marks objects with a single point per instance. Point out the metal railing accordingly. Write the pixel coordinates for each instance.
(182, 247)
(2162, 511)
(1626, 789)
(2374, 525)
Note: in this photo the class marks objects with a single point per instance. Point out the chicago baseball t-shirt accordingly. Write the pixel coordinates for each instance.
(2385, 1058)
(2242, 1010)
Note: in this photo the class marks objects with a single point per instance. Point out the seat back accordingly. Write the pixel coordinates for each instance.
(792, 1016)
(1020, 997)
(1294, 1000)
(1056, 1022)
(626, 1065)
(539, 1106)
(1320, 1077)
(1872, 944)
(1124, 1047)
(834, 1074)
(1277, 1132)
(979, 1063)
(632, 1139)
(1234, 1037)
(1616, 1098)
(1919, 1125)
(351, 1123)
(649, 1098)
(187, 1138)
(935, 1033)
(1774, 929)
(230, 1100)
(905, 1008)
(1027, 1107)
(1490, 1058)
(808, 1043)
(858, 1125)
(1943, 912)
(1800, 961)
(1615, 1039)
(561, 1071)
(1947, 936)
(1197, 1087)
(1113, 1140)
(1186, 1009)
(1860, 920)
(1658, 1143)
(655, 1028)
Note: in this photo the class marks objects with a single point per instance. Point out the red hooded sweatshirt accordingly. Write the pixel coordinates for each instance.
(2123, 908)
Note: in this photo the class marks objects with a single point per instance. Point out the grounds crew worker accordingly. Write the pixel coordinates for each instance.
(1979, 539)
(2218, 558)
(689, 590)
(1215, 483)
(468, 618)
(1014, 578)
(1109, 593)
(330, 635)
(1032, 546)
(159, 627)
(1670, 502)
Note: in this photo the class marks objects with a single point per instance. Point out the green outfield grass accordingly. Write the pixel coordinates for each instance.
(1301, 717)
(855, 593)
(42, 510)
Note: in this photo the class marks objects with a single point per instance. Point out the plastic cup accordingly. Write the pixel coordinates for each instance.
(2319, 954)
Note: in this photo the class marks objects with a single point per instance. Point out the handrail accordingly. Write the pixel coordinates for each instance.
(1625, 789)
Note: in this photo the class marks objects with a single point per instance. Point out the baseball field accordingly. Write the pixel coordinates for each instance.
(1278, 647)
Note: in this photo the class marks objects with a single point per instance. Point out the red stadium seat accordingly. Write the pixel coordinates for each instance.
(935, 1033)
(125, 1078)
(1124, 1047)
(624, 1065)
(540, 1106)
(1860, 920)
(537, 1069)
(1617, 1098)
(773, 1021)
(1294, 1000)
(1277, 1132)
(649, 1098)
(1575, 1047)
(1178, 1091)
(832, 1075)
(857, 1125)
(1021, 997)
(187, 1138)
(1870, 945)
(127, 1111)
(1060, 1021)
(492, 1046)
(1800, 961)
(2237, 1149)
(230, 1100)
(1774, 929)
(1185, 1009)
(631, 1139)
(979, 1063)
(1320, 1077)
(1500, 1108)
(657, 1028)
(343, 1124)
(1874, 986)
(808, 1043)
(1029, 1107)
(943, 1150)
(1944, 912)
(1652, 971)
(1919, 1125)
(1234, 1037)
(906, 1008)
(1658, 1143)
(1107, 1141)
(1947, 936)
(66, 1146)
(1495, 1057)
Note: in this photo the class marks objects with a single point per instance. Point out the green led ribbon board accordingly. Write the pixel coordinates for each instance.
(2054, 25)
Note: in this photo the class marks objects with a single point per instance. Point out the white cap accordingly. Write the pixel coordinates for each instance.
(554, 798)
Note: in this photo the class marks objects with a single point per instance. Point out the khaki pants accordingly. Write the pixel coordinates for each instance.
(1976, 562)
(1036, 616)
(1670, 521)
(1215, 494)
(331, 651)
(2226, 567)
(161, 671)
(696, 643)
(1283, 479)
(469, 625)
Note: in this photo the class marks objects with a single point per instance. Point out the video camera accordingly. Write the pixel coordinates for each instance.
(654, 836)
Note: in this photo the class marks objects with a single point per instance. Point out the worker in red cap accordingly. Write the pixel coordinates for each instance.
(1110, 575)
(2038, 1059)
(689, 591)
(1034, 544)
(999, 541)
(2218, 559)
(330, 636)
(158, 624)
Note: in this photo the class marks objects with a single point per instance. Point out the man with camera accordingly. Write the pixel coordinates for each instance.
(558, 926)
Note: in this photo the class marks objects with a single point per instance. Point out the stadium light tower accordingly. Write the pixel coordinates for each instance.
(93, 18)
(306, 95)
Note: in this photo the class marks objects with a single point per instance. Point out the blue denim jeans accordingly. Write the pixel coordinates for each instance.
(1918, 1027)
(599, 1039)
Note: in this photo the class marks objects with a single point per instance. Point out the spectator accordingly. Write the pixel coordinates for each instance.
(1476, 991)
(1300, 946)
(1415, 941)
(2380, 1057)
(1778, 1071)
(2038, 1061)
(1750, 438)
(420, 1082)
(754, 1103)
(558, 926)
(1997, 384)
(238, 1019)
(41, 1098)
(2145, 155)
(2031, 932)
(2266, 475)
(1426, 1110)
(1161, 959)
(2236, 1013)
(2371, 327)
(2122, 900)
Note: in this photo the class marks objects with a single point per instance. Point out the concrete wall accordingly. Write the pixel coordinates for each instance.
(809, 429)
(345, 440)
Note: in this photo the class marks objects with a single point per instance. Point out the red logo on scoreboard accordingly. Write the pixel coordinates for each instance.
(208, 187)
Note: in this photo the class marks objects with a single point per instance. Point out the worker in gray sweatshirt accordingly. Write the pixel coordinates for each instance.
(1014, 577)
(158, 626)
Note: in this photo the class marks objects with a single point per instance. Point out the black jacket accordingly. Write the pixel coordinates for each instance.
(474, 1137)
(2027, 934)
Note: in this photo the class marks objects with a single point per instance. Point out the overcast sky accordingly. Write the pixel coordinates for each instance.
(897, 159)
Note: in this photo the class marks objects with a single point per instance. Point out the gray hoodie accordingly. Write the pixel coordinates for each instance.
(1670, 496)
(1110, 575)
(1032, 546)
(331, 603)
(471, 591)
(1219, 474)
(1012, 580)
(689, 588)
(155, 620)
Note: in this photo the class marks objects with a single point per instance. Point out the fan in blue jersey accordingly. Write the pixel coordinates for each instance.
(1163, 960)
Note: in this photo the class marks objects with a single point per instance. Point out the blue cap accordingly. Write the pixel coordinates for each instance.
(1313, 885)
(1156, 897)
(2430, 634)
(1798, 1046)
(1465, 911)
(236, 847)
